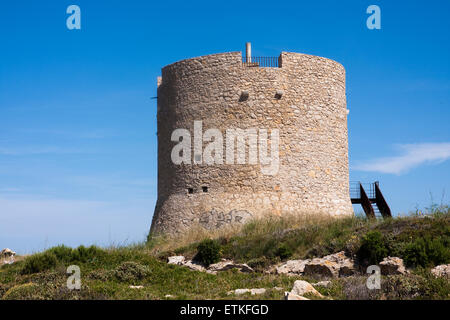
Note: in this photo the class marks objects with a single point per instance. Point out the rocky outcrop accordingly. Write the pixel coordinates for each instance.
(292, 267)
(193, 265)
(302, 287)
(227, 265)
(178, 260)
(392, 265)
(290, 296)
(7, 256)
(212, 269)
(333, 266)
(244, 291)
(441, 271)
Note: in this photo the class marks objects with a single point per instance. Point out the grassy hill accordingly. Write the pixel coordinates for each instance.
(107, 273)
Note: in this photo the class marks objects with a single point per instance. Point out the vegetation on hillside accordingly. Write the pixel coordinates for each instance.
(108, 273)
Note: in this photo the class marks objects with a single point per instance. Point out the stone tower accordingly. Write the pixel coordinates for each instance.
(286, 119)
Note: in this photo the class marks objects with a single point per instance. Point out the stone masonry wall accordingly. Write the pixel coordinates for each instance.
(313, 147)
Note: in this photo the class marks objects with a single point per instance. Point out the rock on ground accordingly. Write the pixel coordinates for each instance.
(292, 267)
(7, 256)
(392, 265)
(302, 287)
(251, 291)
(442, 271)
(323, 284)
(290, 296)
(229, 264)
(178, 260)
(333, 265)
(194, 266)
(212, 269)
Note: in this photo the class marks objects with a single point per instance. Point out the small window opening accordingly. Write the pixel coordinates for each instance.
(244, 96)
(205, 189)
(190, 190)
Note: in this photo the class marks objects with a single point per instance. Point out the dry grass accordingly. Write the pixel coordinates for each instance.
(265, 224)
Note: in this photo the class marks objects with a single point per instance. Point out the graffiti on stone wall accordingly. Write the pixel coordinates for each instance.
(215, 219)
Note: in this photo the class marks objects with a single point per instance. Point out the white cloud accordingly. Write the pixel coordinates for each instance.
(413, 155)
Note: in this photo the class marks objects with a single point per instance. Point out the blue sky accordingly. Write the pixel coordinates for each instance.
(77, 122)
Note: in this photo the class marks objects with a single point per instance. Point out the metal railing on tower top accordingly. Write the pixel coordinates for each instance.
(268, 62)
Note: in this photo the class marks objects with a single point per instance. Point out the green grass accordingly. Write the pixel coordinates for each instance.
(107, 273)
(110, 276)
(268, 241)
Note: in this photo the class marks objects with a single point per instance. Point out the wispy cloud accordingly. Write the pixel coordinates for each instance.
(412, 155)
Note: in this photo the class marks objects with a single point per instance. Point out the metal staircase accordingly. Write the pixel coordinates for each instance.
(371, 198)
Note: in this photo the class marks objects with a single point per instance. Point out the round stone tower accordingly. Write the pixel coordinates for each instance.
(240, 138)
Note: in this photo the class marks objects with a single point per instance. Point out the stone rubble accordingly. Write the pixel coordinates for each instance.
(441, 271)
(302, 287)
(290, 296)
(178, 260)
(7, 256)
(333, 265)
(392, 265)
(229, 264)
(194, 265)
(292, 267)
(244, 291)
(212, 269)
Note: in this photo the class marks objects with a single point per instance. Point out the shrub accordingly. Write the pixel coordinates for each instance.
(131, 271)
(62, 253)
(426, 252)
(39, 262)
(284, 251)
(373, 248)
(259, 264)
(26, 291)
(103, 275)
(83, 254)
(208, 252)
(78, 255)
(419, 285)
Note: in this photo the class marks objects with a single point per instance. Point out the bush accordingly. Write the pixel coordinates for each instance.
(83, 254)
(78, 255)
(426, 252)
(62, 253)
(39, 262)
(373, 248)
(422, 285)
(131, 271)
(66, 255)
(284, 251)
(26, 291)
(208, 252)
(259, 264)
